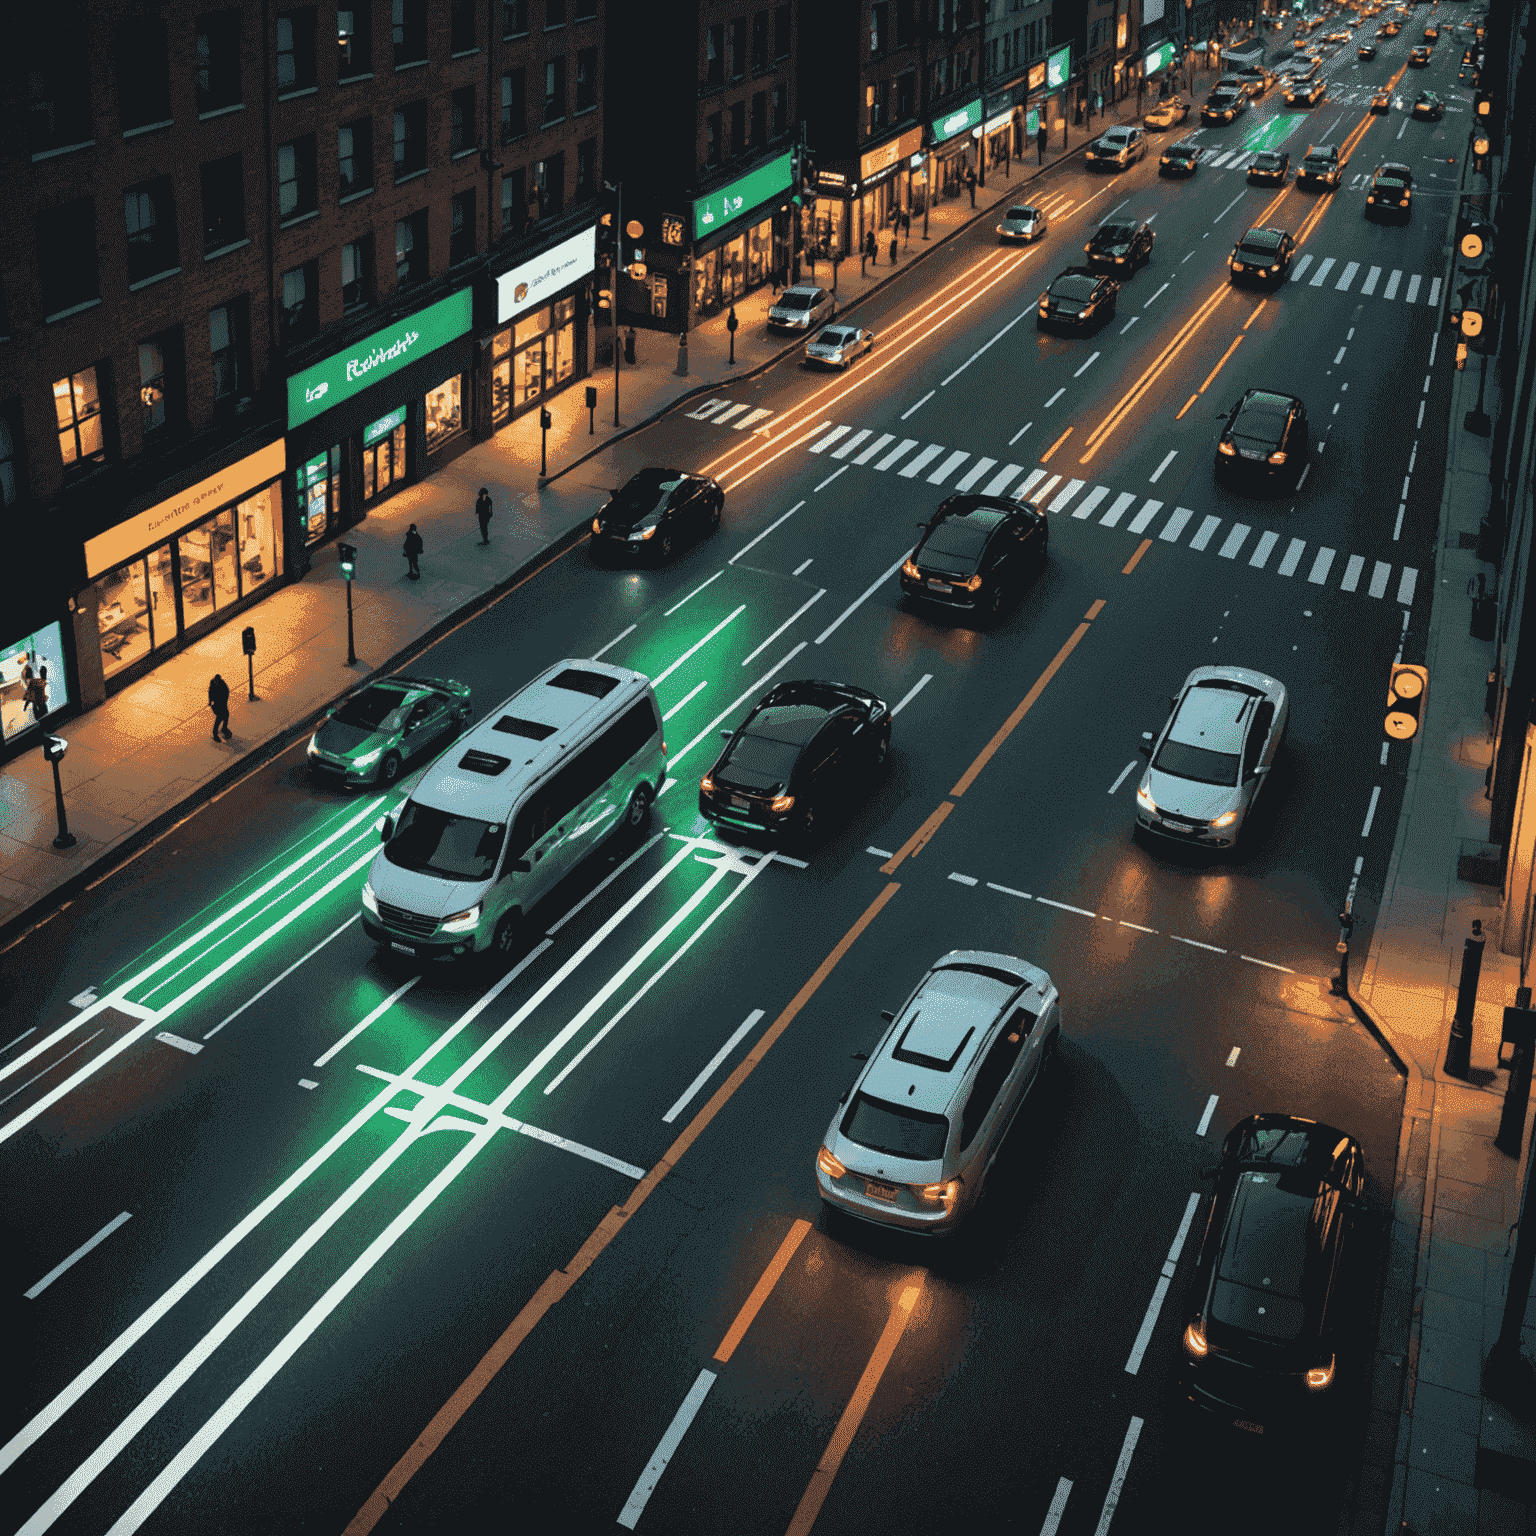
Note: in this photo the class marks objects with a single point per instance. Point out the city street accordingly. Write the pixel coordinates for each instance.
(311, 1275)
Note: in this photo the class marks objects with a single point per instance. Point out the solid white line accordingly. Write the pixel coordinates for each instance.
(1008, 890)
(49, 1068)
(370, 1018)
(1086, 366)
(74, 1258)
(1160, 1290)
(1230, 206)
(629, 1516)
(1205, 1119)
(1058, 1507)
(1117, 1482)
(963, 879)
(668, 671)
(679, 603)
(603, 885)
(1020, 433)
(1168, 459)
(830, 478)
(912, 693)
(1081, 911)
(697, 688)
(1137, 926)
(924, 401)
(1054, 398)
(879, 853)
(1121, 780)
(868, 592)
(802, 566)
(1179, 1237)
(1164, 289)
(764, 534)
(32, 1031)
(1237, 1051)
(1370, 814)
(709, 730)
(335, 933)
(977, 353)
(191, 1047)
(1198, 944)
(709, 1071)
(821, 593)
(596, 655)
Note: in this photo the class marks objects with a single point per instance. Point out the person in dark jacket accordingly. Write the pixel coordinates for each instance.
(413, 551)
(218, 702)
(483, 512)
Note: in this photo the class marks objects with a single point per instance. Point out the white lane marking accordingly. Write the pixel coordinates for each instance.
(905, 446)
(1129, 323)
(49, 1068)
(1401, 131)
(1066, 493)
(1269, 965)
(1368, 287)
(747, 420)
(1160, 1290)
(308, 1082)
(1066, 907)
(911, 694)
(962, 879)
(1352, 569)
(985, 345)
(1434, 297)
(1058, 1507)
(1117, 1482)
(666, 672)
(973, 474)
(830, 478)
(1205, 1119)
(1086, 366)
(714, 1063)
(592, 895)
(1299, 270)
(1413, 458)
(1121, 779)
(1175, 524)
(948, 467)
(1412, 296)
(1422, 404)
(835, 435)
(32, 1030)
(727, 413)
(191, 1047)
(1339, 358)
(1292, 558)
(852, 443)
(1090, 502)
(282, 976)
(74, 1258)
(764, 534)
(1370, 814)
(1379, 577)
(1124, 500)
(692, 693)
(1008, 890)
(1390, 291)
(920, 404)
(1149, 510)
(1137, 926)
(915, 467)
(1020, 433)
(1228, 209)
(1342, 286)
(597, 655)
(751, 655)
(371, 1017)
(79, 1000)
(1198, 944)
(1208, 526)
(1054, 398)
(1234, 541)
(1263, 550)
(679, 603)
(629, 1516)
(1029, 482)
(880, 853)
(708, 409)
(995, 485)
(1425, 390)
(1325, 266)
(880, 443)
(1164, 289)
(1186, 258)
(863, 597)
(714, 725)
(1382, 761)
(1237, 1051)
(1320, 566)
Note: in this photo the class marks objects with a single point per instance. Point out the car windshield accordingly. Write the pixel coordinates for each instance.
(1116, 137)
(1268, 160)
(961, 539)
(1254, 251)
(1024, 214)
(832, 336)
(1390, 181)
(793, 300)
(1073, 287)
(368, 710)
(1319, 162)
(1223, 98)
(1114, 234)
(895, 1129)
(1200, 764)
(649, 491)
(433, 842)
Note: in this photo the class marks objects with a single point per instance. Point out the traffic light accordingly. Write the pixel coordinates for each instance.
(1473, 233)
(348, 556)
(1407, 695)
(605, 240)
(1482, 108)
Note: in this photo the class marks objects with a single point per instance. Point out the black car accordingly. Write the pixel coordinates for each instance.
(1275, 1275)
(1119, 247)
(1223, 106)
(1381, 100)
(1428, 107)
(1077, 299)
(1263, 255)
(1255, 81)
(1179, 160)
(1367, 50)
(655, 512)
(1265, 438)
(1306, 93)
(1270, 167)
(1418, 58)
(1391, 192)
(804, 747)
(976, 553)
(1320, 167)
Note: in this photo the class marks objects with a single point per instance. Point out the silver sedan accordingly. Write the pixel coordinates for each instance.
(835, 346)
(1022, 222)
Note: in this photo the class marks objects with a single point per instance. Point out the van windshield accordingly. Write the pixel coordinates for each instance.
(438, 843)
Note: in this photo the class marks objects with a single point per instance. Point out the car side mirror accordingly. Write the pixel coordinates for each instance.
(887, 1015)
(387, 829)
(726, 733)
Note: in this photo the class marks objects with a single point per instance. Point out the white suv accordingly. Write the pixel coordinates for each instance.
(801, 308)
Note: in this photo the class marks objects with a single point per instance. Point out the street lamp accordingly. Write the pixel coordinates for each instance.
(347, 554)
(54, 748)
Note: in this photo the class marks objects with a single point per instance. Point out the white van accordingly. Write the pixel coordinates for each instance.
(512, 808)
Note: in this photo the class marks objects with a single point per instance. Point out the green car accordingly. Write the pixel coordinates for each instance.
(370, 736)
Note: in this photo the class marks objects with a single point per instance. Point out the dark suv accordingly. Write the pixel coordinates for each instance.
(1119, 247)
(1275, 1269)
(1321, 167)
(1263, 255)
(976, 553)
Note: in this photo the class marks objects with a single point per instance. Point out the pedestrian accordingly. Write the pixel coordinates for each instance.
(1040, 137)
(483, 512)
(1077, 117)
(218, 702)
(893, 250)
(970, 184)
(869, 244)
(413, 551)
(906, 224)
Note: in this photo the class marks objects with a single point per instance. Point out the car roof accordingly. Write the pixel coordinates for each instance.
(1322, 151)
(805, 288)
(1393, 168)
(1213, 714)
(1121, 132)
(1263, 235)
(1268, 400)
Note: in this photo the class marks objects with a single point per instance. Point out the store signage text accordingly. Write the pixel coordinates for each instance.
(536, 282)
(734, 199)
(1158, 58)
(889, 154)
(956, 122)
(1058, 66)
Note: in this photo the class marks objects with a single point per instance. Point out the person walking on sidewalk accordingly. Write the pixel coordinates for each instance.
(893, 250)
(970, 184)
(218, 702)
(483, 512)
(1040, 137)
(413, 551)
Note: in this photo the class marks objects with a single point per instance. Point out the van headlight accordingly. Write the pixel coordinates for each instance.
(462, 922)
(1225, 819)
(370, 901)
(1145, 801)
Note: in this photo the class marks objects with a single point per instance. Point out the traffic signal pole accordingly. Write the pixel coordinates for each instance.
(618, 251)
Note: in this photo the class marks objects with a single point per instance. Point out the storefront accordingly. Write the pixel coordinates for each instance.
(179, 568)
(34, 681)
(997, 136)
(378, 415)
(951, 150)
(740, 238)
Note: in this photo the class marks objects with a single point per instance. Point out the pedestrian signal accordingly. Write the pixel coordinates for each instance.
(1406, 697)
(348, 556)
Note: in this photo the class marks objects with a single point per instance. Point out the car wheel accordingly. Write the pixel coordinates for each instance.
(807, 834)
(389, 769)
(637, 814)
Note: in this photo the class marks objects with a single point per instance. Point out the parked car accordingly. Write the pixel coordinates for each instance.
(801, 308)
(654, 512)
(373, 733)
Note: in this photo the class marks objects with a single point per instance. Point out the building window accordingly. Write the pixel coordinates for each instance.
(301, 309)
(737, 35)
(143, 73)
(780, 119)
(296, 189)
(514, 203)
(66, 255)
(514, 18)
(462, 135)
(228, 340)
(760, 40)
(354, 157)
(586, 79)
(759, 119)
(149, 211)
(82, 428)
(49, 78)
(461, 26)
(514, 105)
(461, 228)
(223, 203)
(161, 396)
(781, 32)
(879, 28)
(296, 49)
(357, 274)
(714, 61)
(10, 459)
(410, 139)
(738, 128)
(554, 89)
(906, 95)
(218, 60)
(411, 250)
(586, 170)
(354, 44)
(551, 185)
(554, 14)
(410, 31)
(712, 139)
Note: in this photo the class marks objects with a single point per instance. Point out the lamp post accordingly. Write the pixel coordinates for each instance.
(54, 748)
(617, 188)
(347, 555)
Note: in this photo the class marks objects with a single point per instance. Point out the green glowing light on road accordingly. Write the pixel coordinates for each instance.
(1274, 133)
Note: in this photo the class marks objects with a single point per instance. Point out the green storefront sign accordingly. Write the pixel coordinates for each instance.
(317, 389)
(734, 199)
(959, 121)
(1058, 67)
(1157, 58)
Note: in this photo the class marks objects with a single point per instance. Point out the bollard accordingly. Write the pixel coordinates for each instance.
(682, 354)
(1458, 1051)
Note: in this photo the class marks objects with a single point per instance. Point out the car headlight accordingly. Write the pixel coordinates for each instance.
(1144, 800)
(1371, 198)
(1194, 1339)
(370, 901)
(1225, 447)
(910, 571)
(1278, 456)
(597, 525)
(1319, 1377)
(781, 803)
(462, 922)
(1085, 311)
(1407, 194)
(645, 533)
(368, 759)
(829, 1165)
(944, 1194)
(706, 785)
(1225, 819)
(1237, 266)
(314, 748)
(971, 584)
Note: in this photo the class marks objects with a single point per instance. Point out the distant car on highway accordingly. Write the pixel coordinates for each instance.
(1077, 300)
(1179, 160)
(1265, 439)
(1023, 222)
(1428, 108)
(373, 733)
(1381, 100)
(977, 554)
(836, 346)
(1119, 247)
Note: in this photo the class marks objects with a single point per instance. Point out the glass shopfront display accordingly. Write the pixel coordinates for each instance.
(319, 488)
(722, 275)
(383, 454)
(501, 377)
(33, 682)
(536, 354)
(444, 412)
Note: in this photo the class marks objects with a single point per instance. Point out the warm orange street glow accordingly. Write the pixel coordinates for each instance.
(1217, 369)
(1045, 457)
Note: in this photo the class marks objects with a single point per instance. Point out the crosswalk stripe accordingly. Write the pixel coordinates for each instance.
(708, 409)
(1390, 291)
(1379, 579)
(1046, 489)
(1342, 286)
(1138, 523)
(1116, 512)
(1220, 160)
(1434, 293)
(1406, 585)
(1208, 526)
(973, 474)
(912, 470)
(1412, 296)
(727, 413)
(1027, 484)
(1320, 564)
(1175, 524)
(747, 420)
(830, 438)
(1234, 541)
(1070, 490)
(905, 446)
(948, 467)
(875, 447)
(1287, 566)
(1001, 478)
(1263, 550)
(1351, 581)
(1301, 267)
(1091, 500)
(1369, 286)
(1321, 275)
(852, 443)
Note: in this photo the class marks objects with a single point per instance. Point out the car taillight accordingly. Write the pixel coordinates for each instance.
(1225, 447)
(910, 570)
(1194, 1339)
(781, 803)
(1320, 1376)
(597, 525)
(1278, 456)
(829, 1165)
(944, 1194)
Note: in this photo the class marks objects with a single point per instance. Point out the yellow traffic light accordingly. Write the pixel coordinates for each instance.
(1471, 322)
(1406, 697)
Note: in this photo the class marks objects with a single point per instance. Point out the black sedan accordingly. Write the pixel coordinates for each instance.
(804, 747)
(976, 553)
(1321, 167)
(1079, 298)
(1391, 193)
(1306, 93)
(1381, 101)
(1119, 247)
(1263, 255)
(1428, 108)
(1276, 1272)
(1223, 107)
(1367, 50)
(1418, 58)
(655, 512)
(1265, 438)
(1270, 167)
(1179, 160)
